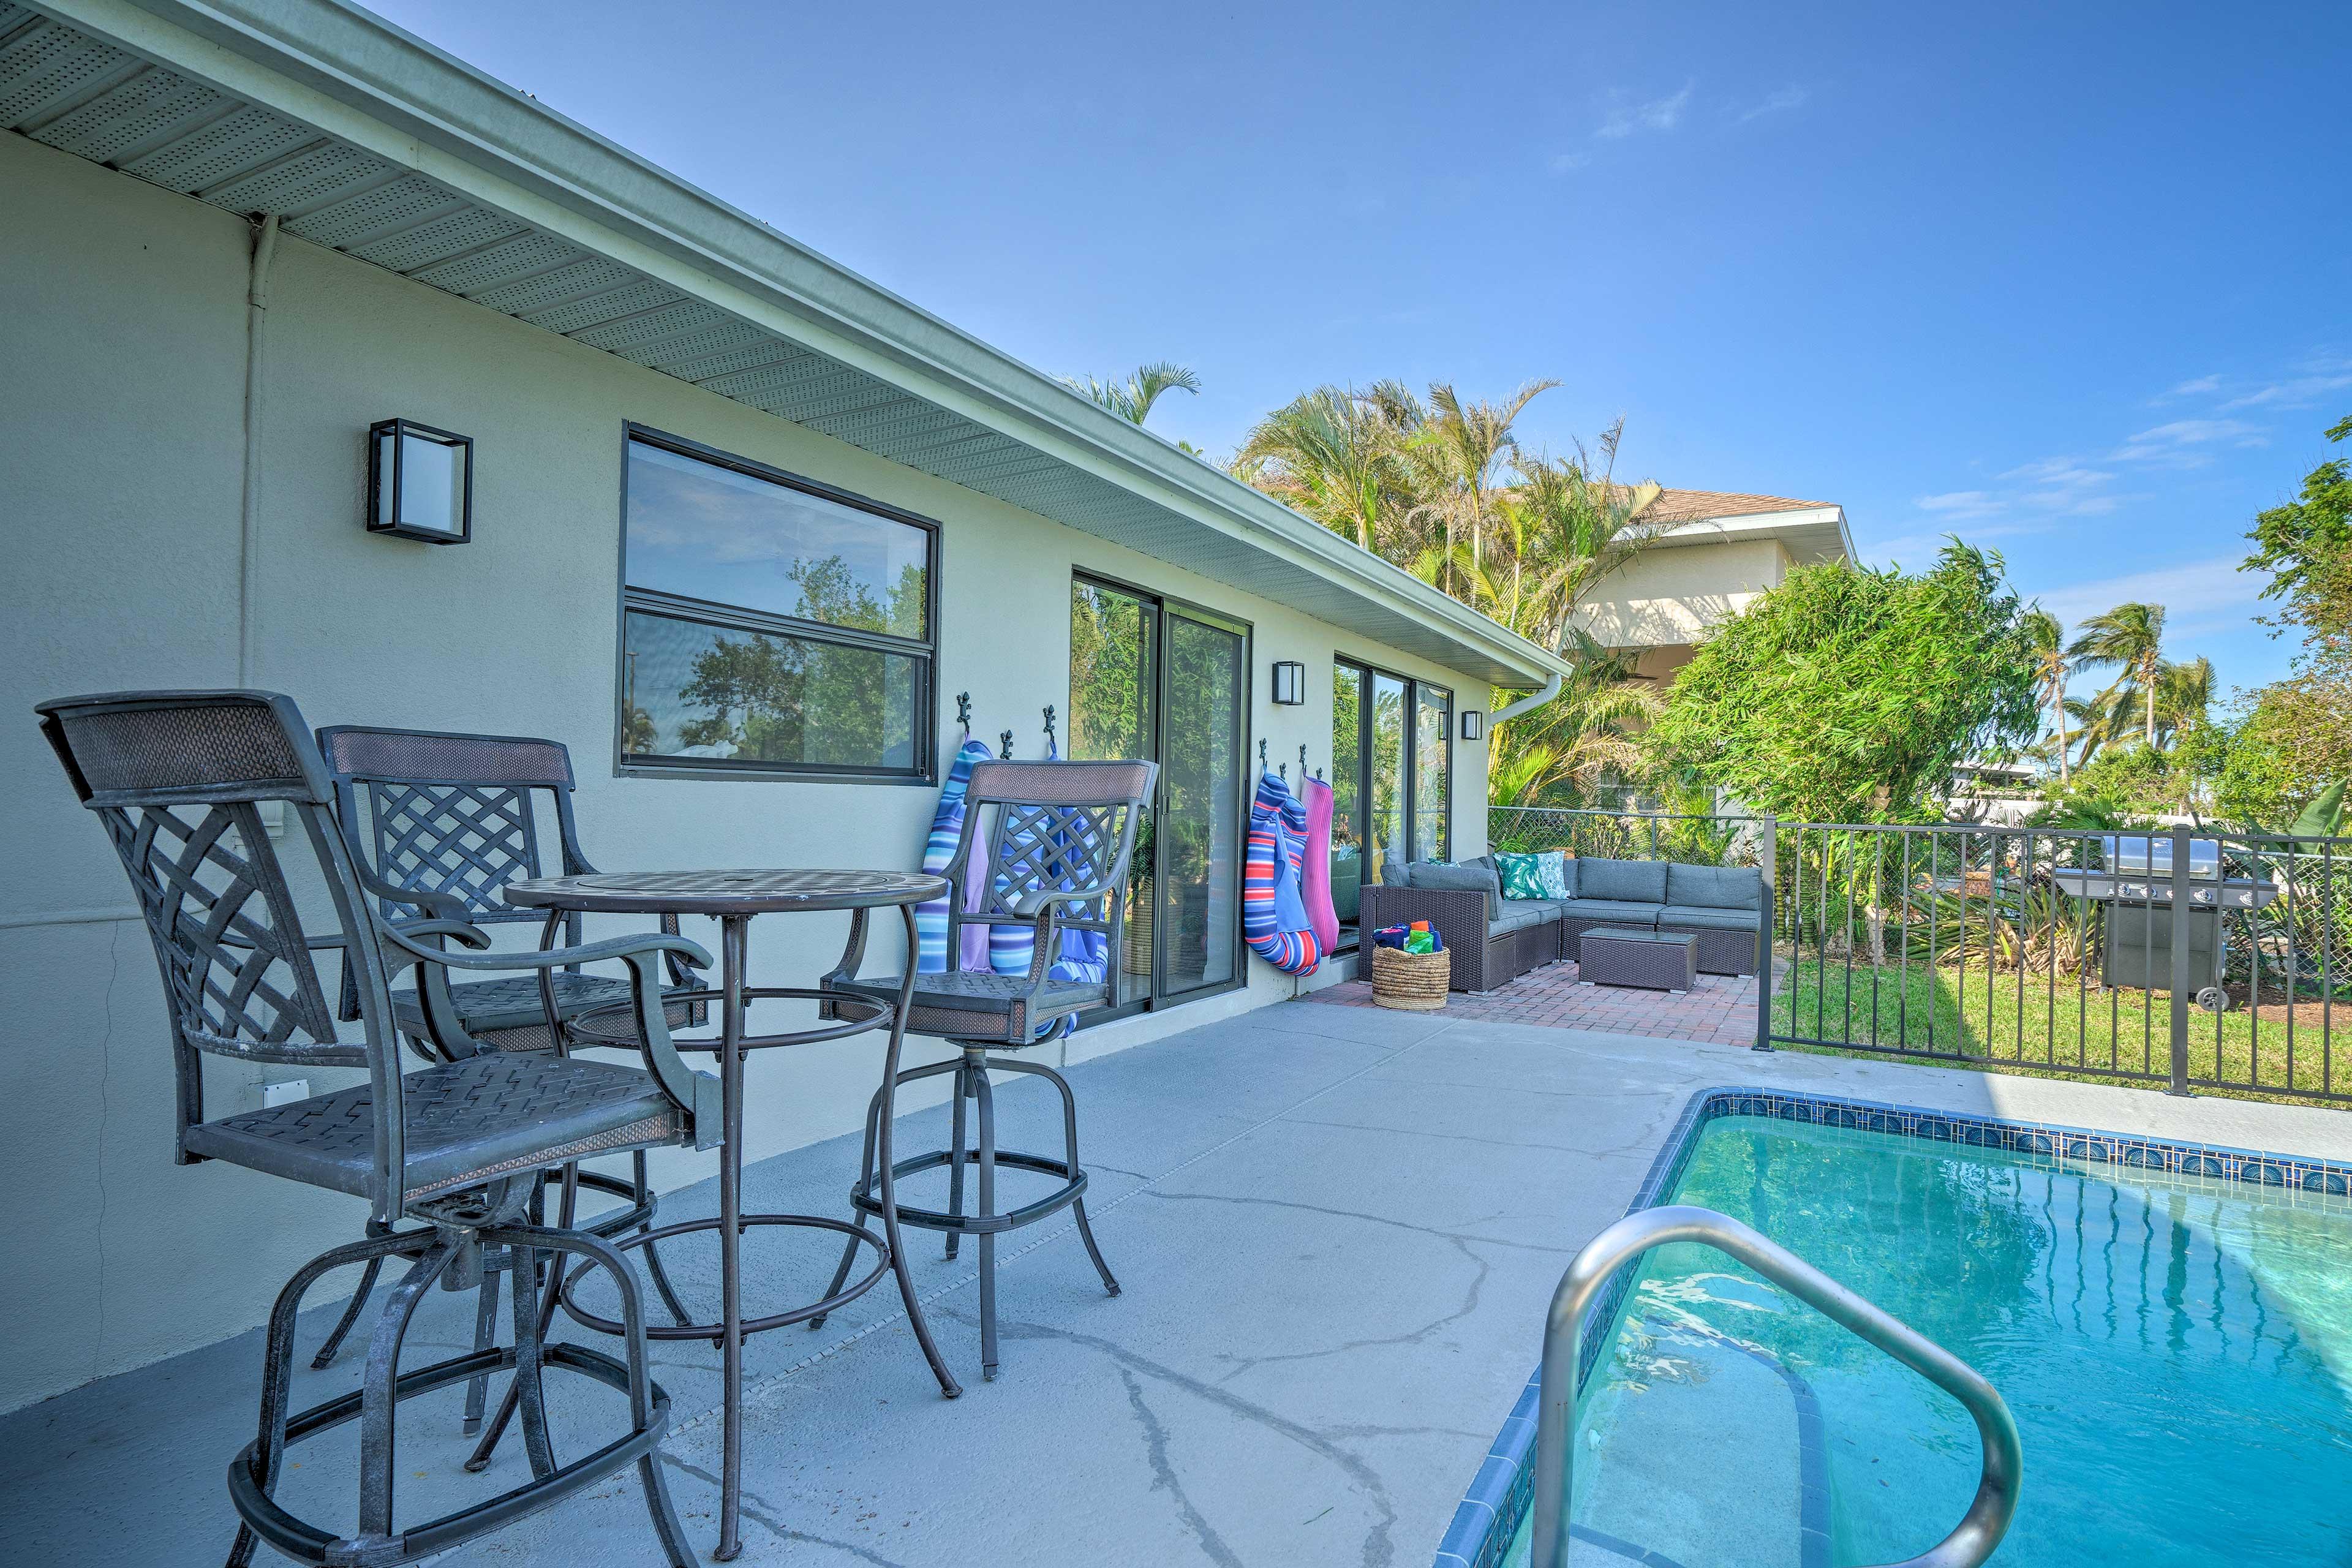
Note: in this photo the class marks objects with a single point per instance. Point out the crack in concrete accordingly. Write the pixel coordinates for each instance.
(1449, 1137)
(1368, 1218)
(1379, 1547)
(1164, 1477)
(753, 1510)
(1469, 1305)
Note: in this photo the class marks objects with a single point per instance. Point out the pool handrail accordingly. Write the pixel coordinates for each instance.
(1979, 1529)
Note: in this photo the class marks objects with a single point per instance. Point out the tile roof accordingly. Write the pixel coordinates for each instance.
(1688, 506)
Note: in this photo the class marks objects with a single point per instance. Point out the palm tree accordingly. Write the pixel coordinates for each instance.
(1332, 454)
(2184, 695)
(1132, 399)
(2128, 639)
(1592, 730)
(1567, 527)
(2048, 637)
(1463, 445)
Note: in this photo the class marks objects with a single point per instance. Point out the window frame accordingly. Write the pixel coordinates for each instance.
(1364, 669)
(924, 652)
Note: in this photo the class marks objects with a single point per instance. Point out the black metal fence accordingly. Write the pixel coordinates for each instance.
(2176, 958)
(2180, 958)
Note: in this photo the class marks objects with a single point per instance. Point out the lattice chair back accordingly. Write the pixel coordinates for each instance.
(451, 815)
(179, 780)
(1053, 827)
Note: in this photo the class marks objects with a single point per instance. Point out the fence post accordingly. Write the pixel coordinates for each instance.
(2182, 907)
(1770, 861)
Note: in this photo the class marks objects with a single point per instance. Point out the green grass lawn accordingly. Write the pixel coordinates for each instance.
(2066, 1029)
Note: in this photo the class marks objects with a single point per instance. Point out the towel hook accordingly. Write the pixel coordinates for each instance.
(1261, 755)
(963, 711)
(1006, 755)
(1049, 726)
(1302, 762)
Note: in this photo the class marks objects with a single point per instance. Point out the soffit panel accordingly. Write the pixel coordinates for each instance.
(87, 97)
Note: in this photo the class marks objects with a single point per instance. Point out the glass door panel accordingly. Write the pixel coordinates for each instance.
(1432, 773)
(1388, 826)
(1114, 714)
(1347, 871)
(1198, 912)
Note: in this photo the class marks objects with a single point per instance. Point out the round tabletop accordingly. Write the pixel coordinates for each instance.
(775, 891)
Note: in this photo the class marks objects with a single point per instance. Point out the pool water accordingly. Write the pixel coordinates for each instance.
(2177, 1352)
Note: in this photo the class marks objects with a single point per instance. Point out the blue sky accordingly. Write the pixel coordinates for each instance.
(2068, 281)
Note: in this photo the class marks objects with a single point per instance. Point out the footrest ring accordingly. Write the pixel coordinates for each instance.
(713, 1332)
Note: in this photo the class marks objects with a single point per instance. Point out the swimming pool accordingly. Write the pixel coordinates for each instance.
(2170, 1324)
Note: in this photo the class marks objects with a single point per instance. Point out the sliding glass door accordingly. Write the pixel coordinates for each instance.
(1164, 680)
(1392, 767)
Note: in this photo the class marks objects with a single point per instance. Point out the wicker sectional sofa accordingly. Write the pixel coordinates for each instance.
(1496, 940)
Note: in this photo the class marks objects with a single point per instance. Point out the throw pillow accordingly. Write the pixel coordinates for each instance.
(1553, 866)
(1522, 876)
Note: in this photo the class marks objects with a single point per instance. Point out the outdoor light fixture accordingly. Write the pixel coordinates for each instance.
(1473, 724)
(1289, 682)
(420, 482)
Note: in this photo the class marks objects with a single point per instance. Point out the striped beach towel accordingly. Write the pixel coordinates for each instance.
(1274, 915)
(946, 826)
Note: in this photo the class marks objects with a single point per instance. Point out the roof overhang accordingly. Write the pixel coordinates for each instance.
(368, 140)
(1810, 534)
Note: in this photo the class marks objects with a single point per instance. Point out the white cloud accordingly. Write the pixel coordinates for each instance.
(1961, 505)
(2183, 443)
(2199, 388)
(2297, 392)
(1622, 117)
(2201, 590)
(1780, 102)
(1569, 163)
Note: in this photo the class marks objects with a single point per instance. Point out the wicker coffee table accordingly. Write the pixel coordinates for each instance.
(1623, 955)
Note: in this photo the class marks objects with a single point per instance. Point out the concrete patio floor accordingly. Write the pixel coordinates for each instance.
(1337, 1228)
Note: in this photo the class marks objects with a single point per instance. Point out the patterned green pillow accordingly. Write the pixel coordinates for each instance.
(1522, 876)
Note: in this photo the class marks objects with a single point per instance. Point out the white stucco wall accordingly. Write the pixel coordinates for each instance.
(122, 360)
(1670, 594)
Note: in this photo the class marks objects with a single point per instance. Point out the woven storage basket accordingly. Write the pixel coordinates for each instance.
(1413, 981)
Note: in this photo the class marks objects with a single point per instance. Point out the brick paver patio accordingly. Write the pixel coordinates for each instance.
(1721, 1011)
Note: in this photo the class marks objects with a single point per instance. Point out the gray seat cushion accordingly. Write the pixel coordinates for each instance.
(1616, 912)
(1625, 881)
(1699, 917)
(1518, 915)
(461, 1123)
(1546, 909)
(1713, 886)
(1438, 876)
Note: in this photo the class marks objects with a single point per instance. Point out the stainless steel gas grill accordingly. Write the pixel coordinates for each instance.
(2137, 885)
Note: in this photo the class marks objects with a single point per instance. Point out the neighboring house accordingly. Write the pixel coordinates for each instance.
(1714, 553)
(743, 527)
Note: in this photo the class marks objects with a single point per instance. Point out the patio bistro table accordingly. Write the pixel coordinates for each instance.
(733, 897)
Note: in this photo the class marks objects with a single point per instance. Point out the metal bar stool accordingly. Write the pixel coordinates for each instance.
(448, 1157)
(442, 823)
(1056, 861)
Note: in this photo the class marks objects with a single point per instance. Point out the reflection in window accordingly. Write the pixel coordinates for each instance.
(1348, 870)
(1387, 776)
(768, 627)
(1113, 683)
(701, 692)
(700, 531)
(1432, 771)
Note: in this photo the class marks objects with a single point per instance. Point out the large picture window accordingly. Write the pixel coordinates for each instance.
(769, 626)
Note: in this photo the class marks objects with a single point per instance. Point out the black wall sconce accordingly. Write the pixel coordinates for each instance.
(420, 482)
(1473, 724)
(1289, 682)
